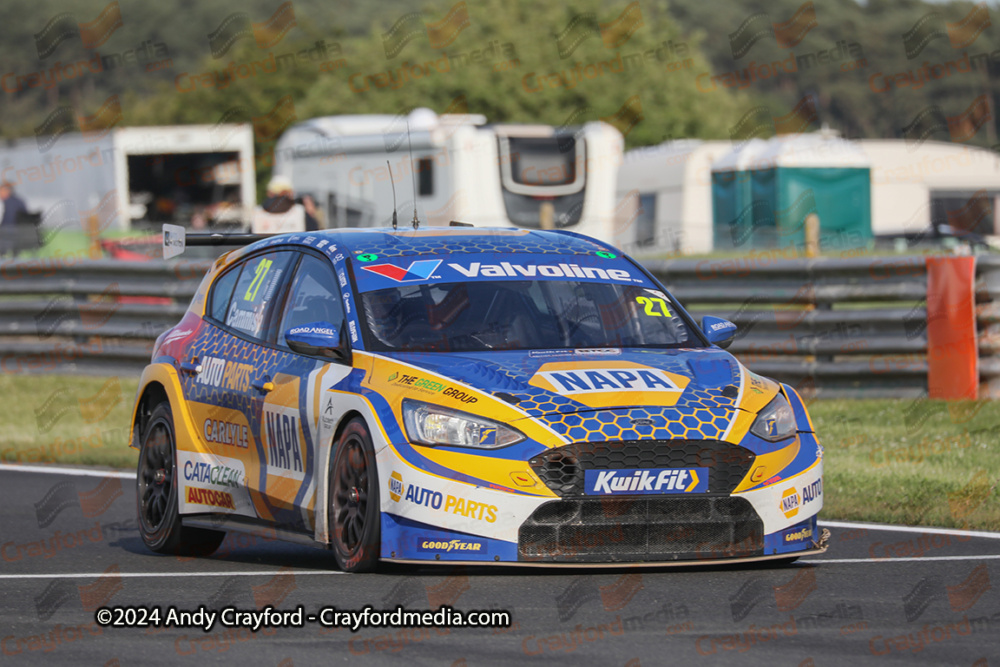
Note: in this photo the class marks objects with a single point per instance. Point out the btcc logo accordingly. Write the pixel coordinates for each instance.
(427, 544)
(671, 480)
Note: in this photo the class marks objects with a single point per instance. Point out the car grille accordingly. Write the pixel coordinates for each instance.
(562, 469)
(640, 528)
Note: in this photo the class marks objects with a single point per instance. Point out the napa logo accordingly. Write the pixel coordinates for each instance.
(790, 503)
(283, 442)
(643, 482)
(396, 487)
(601, 384)
(417, 271)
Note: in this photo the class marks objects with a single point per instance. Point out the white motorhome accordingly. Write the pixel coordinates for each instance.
(461, 169)
(670, 187)
(135, 175)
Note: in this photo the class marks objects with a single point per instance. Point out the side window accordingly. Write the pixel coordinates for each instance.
(222, 291)
(313, 297)
(255, 291)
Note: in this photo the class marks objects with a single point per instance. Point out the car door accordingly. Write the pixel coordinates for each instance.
(292, 413)
(225, 381)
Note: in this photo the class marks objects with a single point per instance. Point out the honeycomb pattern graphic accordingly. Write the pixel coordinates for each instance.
(213, 342)
(702, 413)
(486, 244)
(387, 244)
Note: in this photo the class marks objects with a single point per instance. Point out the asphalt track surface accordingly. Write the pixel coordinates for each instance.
(880, 596)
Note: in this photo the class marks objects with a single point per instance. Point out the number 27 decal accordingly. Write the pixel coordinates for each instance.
(262, 268)
(651, 305)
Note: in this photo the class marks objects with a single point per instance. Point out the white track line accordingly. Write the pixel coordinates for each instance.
(912, 529)
(151, 575)
(908, 559)
(124, 474)
(77, 472)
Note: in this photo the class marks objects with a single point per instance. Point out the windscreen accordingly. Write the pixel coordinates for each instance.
(522, 314)
(542, 161)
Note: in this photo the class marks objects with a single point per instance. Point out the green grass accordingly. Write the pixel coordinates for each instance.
(896, 461)
(916, 462)
(67, 419)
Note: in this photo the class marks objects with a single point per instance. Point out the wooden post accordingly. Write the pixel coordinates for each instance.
(93, 231)
(547, 215)
(812, 235)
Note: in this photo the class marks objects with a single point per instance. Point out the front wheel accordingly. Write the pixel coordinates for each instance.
(354, 516)
(156, 494)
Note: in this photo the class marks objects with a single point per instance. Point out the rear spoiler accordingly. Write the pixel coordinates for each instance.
(177, 238)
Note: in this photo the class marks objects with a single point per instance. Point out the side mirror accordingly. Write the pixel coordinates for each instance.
(718, 331)
(316, 339)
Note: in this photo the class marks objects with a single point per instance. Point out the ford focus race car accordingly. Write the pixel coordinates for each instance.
(465, 395)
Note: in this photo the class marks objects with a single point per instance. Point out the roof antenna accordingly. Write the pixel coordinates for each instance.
(393, 184)
(413, 173)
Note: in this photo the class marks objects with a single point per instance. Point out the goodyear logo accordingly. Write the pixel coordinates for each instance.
(609, 379)
(645, 482)
(396, 486)
(790, 503)
(430, 544)
(799, 535)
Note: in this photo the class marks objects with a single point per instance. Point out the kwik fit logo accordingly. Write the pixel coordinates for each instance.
(643, 482)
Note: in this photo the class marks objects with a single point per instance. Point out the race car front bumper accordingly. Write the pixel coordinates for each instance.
(431, 518)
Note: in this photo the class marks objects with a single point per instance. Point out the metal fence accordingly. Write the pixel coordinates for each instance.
(89, 316)
(831, 327)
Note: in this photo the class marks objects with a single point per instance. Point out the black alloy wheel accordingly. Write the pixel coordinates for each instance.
(354, 514)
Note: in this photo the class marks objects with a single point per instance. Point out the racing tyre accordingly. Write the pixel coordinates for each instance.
(156, 494)
(354, 516)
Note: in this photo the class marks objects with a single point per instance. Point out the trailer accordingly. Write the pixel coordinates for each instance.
(455, 167)
(135, 177)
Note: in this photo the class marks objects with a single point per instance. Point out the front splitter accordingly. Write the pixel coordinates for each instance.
(684, 563)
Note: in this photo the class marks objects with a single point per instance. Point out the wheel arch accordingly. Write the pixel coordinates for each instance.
(322, 531)
(158, 383)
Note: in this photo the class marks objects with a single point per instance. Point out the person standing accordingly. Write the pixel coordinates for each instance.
(280, 213)
(13, 208)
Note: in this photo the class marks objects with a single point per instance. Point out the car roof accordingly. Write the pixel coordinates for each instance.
(386, 242)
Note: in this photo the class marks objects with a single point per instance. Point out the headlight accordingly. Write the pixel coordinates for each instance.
(775, 421)
(433, 425)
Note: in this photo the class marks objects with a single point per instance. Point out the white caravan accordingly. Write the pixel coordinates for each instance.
(461, 169)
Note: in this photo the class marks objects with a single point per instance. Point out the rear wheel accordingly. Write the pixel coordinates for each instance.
(354, 516)
(156, 493)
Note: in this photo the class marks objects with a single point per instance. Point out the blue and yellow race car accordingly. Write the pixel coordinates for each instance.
(465, 395)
